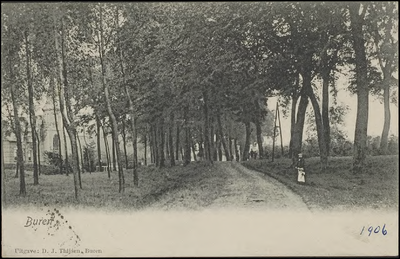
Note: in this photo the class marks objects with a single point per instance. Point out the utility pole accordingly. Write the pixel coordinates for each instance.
(273, 139)
(280, 128)
(277, 117)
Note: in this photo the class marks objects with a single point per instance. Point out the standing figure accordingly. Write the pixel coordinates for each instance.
(301, 174)
(252, 154)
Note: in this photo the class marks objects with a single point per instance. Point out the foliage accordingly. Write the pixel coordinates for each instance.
(193, 62)
(89, 159)
(56, 161)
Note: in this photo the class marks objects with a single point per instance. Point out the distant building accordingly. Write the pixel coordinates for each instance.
(48, 139)
(10, 149)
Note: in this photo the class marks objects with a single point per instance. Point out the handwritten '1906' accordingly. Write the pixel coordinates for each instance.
(376, 230)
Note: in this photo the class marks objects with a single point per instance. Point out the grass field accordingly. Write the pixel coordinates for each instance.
(196, 184)
(199, 184)
(337, 187)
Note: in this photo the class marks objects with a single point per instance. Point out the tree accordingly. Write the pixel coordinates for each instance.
(307, 40)
(54, 98)
(130, 101)
(382, 23)
(64, 94)
(357, 12)
(11, 61)
(32, 116)
(102, 40)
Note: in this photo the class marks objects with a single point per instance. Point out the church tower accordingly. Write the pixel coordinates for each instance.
(51, 135)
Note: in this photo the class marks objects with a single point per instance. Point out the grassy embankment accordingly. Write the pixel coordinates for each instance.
(337, 187)
(193, 187)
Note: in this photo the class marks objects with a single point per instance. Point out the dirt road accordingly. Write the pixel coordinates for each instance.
(251, 189)
(241, 189)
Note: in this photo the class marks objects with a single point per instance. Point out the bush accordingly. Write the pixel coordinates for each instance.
(89, 157)
(278, 151)
(55, 163)
(50, 170)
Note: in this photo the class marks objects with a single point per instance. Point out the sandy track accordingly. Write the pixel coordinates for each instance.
(241, 188)
(250, 189)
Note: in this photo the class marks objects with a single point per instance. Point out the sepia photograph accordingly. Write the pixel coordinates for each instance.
(199, 129)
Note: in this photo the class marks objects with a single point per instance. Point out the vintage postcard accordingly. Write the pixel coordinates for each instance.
(199, 129)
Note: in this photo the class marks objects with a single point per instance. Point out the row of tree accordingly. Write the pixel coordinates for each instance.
(176, 74)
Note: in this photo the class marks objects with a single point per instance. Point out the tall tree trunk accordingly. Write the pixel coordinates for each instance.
(218, 146)
(259, 139)
(32, 116)
(67, 164)
(320, 131)
(114, 132)
(79, 159)
(171, 140)
(246, 149)
(187, 156)
(360, 134)
(386, 123)
(145, 148)
(151, 139)
(214, 155)
(38, 152)
(295, 97)
(188, 140)
(194, 150)
(17, 127)
(325, 111)
(131, 111)
(114, 124)
(177, 142)
(135, 152)
(124, 141)
(186, 153)
(16, 169)
(151, 144)
(114, 160)
(257, 122)
(297, 137)
(66, 108)
(222, 139)
(98, 125)
(230, 149)
(182, 155)
(53, 88)
(82, 161)
(67, 95)
(162, 143)
(166, 146)
(107, 147)
(237, 156)
(207, 144)
(201, 147)
(155, 145)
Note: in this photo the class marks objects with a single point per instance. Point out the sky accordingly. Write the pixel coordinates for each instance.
(375, 118)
